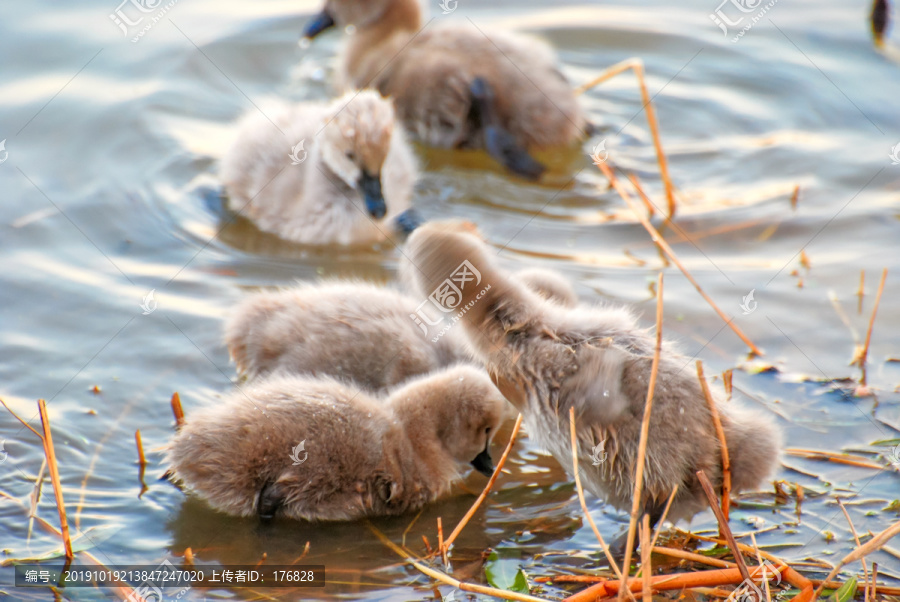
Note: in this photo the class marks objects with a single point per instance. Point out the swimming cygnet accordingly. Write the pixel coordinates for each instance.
(546, 358)
(319, 174)
(458, 87)
(353, 331)
(316, 449)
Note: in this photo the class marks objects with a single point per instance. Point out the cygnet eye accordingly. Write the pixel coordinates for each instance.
(350, 155)
(487, 430)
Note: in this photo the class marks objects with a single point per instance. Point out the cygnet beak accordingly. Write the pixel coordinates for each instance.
(318, 24)
(483, 462)
(371, 189)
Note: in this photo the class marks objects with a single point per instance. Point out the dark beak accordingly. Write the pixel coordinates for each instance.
(483, 462)
(319, 23)
(409, 220)
(371, 189)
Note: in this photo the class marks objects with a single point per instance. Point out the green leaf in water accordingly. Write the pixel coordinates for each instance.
(893, 506)
(503, 574)
(881, 442)
(845, 592)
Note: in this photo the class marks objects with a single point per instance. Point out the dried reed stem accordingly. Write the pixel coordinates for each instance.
(177, 409)
(882, 589)
(410, 526)
(659, 524)
(849, 459)
(124, 590)
(709, 578)
(856, 538)
(759, 561)
(487, 488)
(35, 498)
(651, 209)
(723, 444)
(861, 552)
(795, 196)
(790, 575)
(707, 560)
(646, 592)
(637, 66)
(16, 416)
(865, 350)
(471, 587)
(860, 293)
(874, 579)
(664, 515)
(659, 240)
(142, 461)
(645, 432)
(50, 452)
(578, 488)
(441, 540)
(443, 578)
(723, 524)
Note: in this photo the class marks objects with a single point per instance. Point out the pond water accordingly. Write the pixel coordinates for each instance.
(109, 139)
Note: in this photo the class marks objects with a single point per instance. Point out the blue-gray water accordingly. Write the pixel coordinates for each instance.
(108, 139)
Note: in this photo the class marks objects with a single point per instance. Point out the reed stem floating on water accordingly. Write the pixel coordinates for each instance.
(874, 544)
(661, 242)
(444, 578)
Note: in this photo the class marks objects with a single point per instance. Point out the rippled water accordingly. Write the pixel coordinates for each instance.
(109, 139)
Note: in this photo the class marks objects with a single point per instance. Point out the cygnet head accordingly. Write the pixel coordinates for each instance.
(459, 409)
(355, 143)
(359, 13)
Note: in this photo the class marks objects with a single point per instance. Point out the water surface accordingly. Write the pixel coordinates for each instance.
(110, 139)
